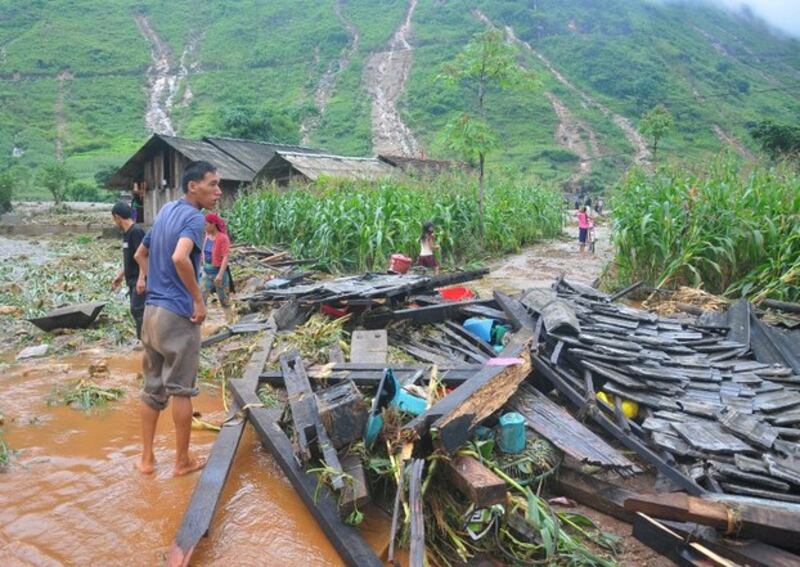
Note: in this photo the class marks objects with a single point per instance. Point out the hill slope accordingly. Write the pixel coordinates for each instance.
(87, 80)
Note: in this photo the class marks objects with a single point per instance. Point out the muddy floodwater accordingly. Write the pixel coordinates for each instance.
(71, 497)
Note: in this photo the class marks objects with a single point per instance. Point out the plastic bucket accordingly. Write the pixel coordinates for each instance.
(512, 433)
(399, 263)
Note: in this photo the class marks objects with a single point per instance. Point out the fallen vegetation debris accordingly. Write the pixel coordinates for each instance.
(84, 394)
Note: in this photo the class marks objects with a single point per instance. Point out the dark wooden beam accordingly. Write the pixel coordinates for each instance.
(770, 525)
(671, 545)
(625, 291)
(416, 555)
(595, 493)
(348, 542)
(205, 497)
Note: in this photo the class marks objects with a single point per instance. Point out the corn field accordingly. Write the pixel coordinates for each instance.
(357, 225)
(732, 232)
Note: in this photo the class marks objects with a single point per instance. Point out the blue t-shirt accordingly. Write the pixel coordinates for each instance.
(165, 289)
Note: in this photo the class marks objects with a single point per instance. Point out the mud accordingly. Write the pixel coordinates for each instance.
(642, 151)
(327, 82)
(71, 495)
(385, 77)
(164, 77)
(542, 263)
(572, 134)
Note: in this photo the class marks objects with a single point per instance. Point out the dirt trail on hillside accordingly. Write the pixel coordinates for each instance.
(385, 77)
(61, 121)
(327, 82)
(731, 140)
(164, 77)
(571, 133)
(642, 152)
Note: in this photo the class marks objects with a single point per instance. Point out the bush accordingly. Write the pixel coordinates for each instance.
(7, 189)
(347, 225)
(56, 177)
(730, 231)
(85, 191)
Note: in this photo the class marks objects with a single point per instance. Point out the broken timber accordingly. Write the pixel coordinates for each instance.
(348, 542)
(671, 545)
(475, 481)
(308, 425)
(369, 375)
(555, 424)
(770, 525)
(594, 493)
(416, 554)
(455, 416)
(197, 518)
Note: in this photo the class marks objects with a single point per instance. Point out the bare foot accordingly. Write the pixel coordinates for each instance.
(193, 464)
(146, 467)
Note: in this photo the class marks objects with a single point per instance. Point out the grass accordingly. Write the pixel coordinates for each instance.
(84, 394)
(347, 225)
(731, 231)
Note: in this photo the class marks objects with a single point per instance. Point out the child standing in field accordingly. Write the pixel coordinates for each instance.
(428, 246)
(584, 224)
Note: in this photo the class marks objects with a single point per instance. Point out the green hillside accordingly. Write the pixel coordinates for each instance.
(74, 75)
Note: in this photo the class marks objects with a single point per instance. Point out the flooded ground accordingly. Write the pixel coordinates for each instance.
(71, 496)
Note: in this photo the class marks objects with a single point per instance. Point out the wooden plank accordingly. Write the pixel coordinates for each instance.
(428, 314)
(309, 430)
(369, 346)
(355, 494)
(416, 556)
(343, 412)
(480, 485)
(517, 313)
(347, 541)
(625, 291)
(594, 492)
(752, 553)
(781, 305)
(455, 416)
(771, 525)
(555, 424)
(474, 346)
(671, 545)
(711, 438)
(735, 473)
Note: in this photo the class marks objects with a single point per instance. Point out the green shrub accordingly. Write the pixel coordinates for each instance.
(348, 225)
(7, 190)
(734, 232)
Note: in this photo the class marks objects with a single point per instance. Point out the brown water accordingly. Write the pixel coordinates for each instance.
(71, 496)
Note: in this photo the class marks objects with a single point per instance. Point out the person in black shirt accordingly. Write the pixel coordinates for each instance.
(132, 235)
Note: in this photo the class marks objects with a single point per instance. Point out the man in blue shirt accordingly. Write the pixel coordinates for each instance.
(169, 259)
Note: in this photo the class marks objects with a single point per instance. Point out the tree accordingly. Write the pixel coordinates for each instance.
(261, 124)
(57, 178)
(656, 122)
(777, 140)
(486, 63)
(8, 186)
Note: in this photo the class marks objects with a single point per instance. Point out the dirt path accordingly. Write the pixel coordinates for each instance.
(542, 263)
(642, 152)
(731, 140)
(61, 121)
(164, 77)
(385, 76)
(327, 82)
(571, 134)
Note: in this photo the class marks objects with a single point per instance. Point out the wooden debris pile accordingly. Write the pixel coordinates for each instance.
(712, 403)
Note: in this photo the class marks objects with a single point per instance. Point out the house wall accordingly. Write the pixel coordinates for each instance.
(167, 166)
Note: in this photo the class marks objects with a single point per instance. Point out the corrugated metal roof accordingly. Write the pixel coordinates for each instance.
(228, 167)
(252, 153)
(315, 165)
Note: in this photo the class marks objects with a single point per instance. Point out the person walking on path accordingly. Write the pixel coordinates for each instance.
(428, 247)
(584, 223)
(216, 251)
(132, 235)
(169, 261)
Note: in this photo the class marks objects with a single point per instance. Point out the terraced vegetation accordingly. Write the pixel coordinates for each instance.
(716, 72)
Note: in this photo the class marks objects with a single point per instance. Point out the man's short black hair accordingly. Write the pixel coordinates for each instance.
(122, 210)
(196, 172)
